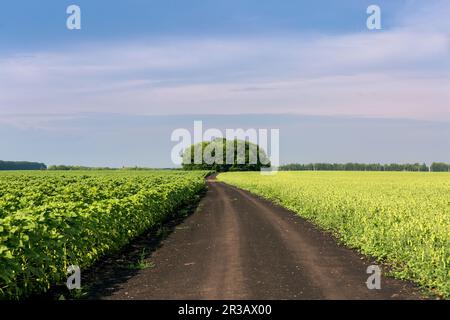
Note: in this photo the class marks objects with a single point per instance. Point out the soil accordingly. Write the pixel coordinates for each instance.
(238, 246)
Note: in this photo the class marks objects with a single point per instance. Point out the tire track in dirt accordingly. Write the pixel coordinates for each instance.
(239, 246)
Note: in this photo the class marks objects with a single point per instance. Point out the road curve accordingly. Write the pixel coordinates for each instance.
(238, 246)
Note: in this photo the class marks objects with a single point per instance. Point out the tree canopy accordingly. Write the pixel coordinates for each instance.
(225, 155)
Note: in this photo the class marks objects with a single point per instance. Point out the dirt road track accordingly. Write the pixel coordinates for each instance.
(238, 246)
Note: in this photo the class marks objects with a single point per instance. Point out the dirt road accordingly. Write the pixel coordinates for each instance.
(238, 246)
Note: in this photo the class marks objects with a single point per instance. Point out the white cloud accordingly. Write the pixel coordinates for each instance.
(397, 73)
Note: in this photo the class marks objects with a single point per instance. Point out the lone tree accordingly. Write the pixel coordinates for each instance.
(225, 155)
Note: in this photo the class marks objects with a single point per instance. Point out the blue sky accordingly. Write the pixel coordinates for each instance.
(29, 24)
(127, 140)
(216, 57)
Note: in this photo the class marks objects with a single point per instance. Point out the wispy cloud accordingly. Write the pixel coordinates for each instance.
(401, 72)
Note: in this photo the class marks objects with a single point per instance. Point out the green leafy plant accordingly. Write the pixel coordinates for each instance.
(402, 218)
(51, 220)
(142, 263)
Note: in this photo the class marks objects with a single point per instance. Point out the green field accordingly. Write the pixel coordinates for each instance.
(401, 218)
(51, 220)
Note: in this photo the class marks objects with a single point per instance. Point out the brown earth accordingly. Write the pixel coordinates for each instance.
(238, 246)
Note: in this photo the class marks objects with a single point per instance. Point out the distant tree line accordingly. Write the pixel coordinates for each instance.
(67, 168)
(64, 167)
(21, 165)
(435, 167)
(440, 167)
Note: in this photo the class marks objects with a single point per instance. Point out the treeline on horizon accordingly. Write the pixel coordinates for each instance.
(64, 167)
(21, 165)
(435, 167)
(25, 165)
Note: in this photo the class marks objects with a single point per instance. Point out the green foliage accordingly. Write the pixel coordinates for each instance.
(250, 158)
(142, 263)
(50, 220)
(440, 167)
(83, 168)
(21, 165)
(402, 218)
(65, 167)
(356, 167)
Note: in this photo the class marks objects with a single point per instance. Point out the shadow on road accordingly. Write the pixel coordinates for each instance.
(106, 275)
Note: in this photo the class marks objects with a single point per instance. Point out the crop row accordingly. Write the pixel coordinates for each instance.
(403, 219)
(51, 221)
